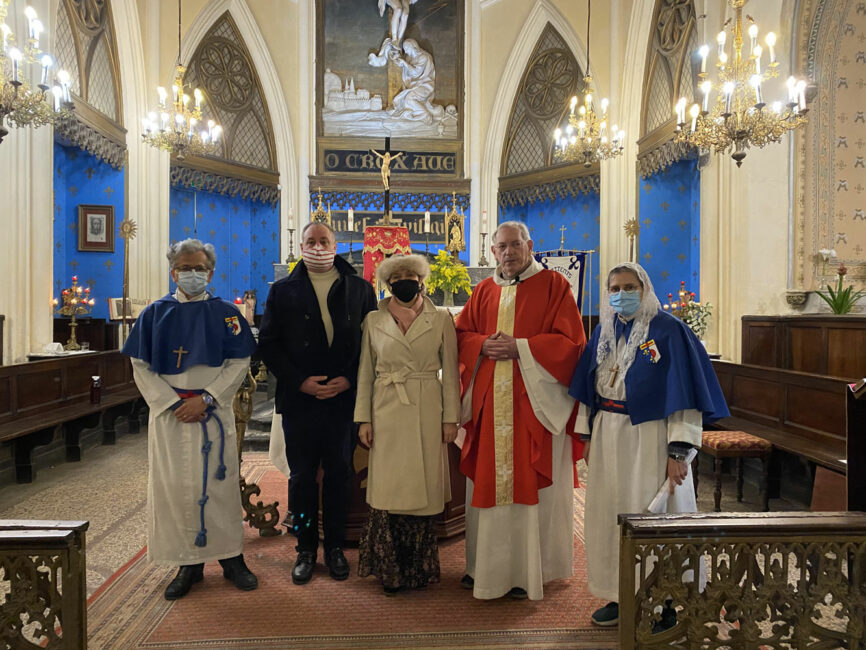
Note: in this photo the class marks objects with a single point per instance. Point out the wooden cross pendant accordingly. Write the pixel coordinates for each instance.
(180, 352)
(613, 373)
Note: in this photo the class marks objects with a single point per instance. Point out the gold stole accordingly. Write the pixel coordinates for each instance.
(503, 403)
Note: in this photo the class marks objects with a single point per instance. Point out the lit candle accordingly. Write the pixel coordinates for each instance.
(15, 55)
(238, 300)
(720, 39)
(681, 110)
(185, 99)
(604, 105)
(777, 107)
(621, 138)
(178, 120)
(588, 100)
(601, 127)
(792, 90)
(757, 54)
(704, 51)
(216, 133)
(38, 28)
(198, 98)
(753, 34)
(351, 219)
(291, 219)
(573, 103)
(87, 290)
(557, 135)
(801, 93)
(162, 95)
(174, 93)
(756, 84)
(484, 221)
(58, 93)
(46, 64)
(582, 110)
(75, 278)
(728, 89)
(427, 221)
(580, 127)
(6, 30)
(694, 112)
(30, 13)
(164, 118)
(706, 87)
(723, 60)
(63, 78)
(771, 43)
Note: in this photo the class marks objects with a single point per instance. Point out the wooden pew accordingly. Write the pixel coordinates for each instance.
(803, 414)
(41, 397)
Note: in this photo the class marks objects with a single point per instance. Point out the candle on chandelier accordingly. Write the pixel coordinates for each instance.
(728, 89)
(720, 39)
(588, 100)
(427, 221)
(174, 92)
(580, 127)
(723, 60)
(604, 105)
(557, 135)
(162, 95)
(704, 51)
(792, 90)
(30, 13)
(63, 78)
(15, 55)
(753, 35)
(164, 119)
(198, 98)
(57, 95)
(6, 31)
(681, 110)
(777, 108)
(216, 133)
(573, 103)
(770, 40)
(756, 84)
(801, 93)
(706, 87)
(185, 99)
(694, 112)
(46, 64)
(351, 219)
(757, 54)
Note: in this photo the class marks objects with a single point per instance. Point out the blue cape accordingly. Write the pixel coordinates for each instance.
(208, 331)
(682, 378)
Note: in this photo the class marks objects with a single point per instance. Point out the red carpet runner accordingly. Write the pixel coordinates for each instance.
(129, 610)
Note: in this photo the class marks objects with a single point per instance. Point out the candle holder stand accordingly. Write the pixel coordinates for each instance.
(482, 261)
(291, 256)
(76, 301)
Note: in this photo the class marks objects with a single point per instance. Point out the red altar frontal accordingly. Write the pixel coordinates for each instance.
(381, 242)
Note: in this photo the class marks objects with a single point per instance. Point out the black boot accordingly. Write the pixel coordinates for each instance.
(304, 565)
(186, 577)
(235, 569)
(338, 567)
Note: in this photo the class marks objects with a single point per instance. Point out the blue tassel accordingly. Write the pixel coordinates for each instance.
(221, 472)
(201, 538)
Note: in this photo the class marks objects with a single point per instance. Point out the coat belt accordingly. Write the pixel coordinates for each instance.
(398, 379)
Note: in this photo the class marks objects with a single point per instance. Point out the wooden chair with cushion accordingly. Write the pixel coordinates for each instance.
(738, 445)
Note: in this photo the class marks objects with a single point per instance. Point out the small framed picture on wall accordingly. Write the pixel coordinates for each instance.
(96, 228)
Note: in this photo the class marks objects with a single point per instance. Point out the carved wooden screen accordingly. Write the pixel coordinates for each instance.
(223, 69)
(668, 75)
(549, 81)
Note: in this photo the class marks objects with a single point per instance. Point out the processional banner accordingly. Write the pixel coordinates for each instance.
(381, 242)
(572, 265)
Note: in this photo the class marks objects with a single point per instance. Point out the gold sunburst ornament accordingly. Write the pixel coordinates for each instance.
(176, 126)
(740, 118)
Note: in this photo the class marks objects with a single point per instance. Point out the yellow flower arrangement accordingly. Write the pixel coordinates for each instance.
(448, 275)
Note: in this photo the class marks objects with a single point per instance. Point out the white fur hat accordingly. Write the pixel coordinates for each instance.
(416, 264)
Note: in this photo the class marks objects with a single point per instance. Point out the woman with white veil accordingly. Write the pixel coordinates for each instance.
(646, 388)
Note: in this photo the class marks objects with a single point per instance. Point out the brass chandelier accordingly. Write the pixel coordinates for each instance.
(588, 136)
(176, 126)
(740, 118)
(25, 99)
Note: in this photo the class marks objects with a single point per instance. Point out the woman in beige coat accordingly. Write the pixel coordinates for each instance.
(407, 417)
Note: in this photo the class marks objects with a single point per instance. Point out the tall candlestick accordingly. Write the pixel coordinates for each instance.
(351, 219)
(427, 221)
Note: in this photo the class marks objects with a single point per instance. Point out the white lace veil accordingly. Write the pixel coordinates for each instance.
(648, 309)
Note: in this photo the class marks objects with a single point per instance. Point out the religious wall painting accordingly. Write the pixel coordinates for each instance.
(392, 68)
(96, 228)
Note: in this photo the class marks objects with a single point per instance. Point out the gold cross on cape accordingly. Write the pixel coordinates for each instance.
(180, 352)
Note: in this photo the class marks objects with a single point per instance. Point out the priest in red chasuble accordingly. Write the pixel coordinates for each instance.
(519, 338)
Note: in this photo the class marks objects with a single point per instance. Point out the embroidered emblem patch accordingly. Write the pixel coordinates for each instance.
(650, 350)
(233, 324)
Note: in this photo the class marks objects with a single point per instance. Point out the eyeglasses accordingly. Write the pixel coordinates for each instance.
(200, 268)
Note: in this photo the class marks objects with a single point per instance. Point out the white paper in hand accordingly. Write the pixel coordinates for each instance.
(660, 501)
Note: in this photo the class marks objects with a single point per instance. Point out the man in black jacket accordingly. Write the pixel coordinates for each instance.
(310, 339)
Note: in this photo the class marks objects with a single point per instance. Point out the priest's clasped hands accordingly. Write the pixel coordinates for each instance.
(314, 386)
(500, 347)
(192, 410)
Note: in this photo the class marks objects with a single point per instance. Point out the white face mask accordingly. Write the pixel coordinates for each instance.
(318, 258)
(192, 283)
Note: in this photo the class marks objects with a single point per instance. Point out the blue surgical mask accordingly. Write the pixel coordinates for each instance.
(625, 302)
(192, 283)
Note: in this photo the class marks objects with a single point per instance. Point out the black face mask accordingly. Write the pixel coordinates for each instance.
(405, 290)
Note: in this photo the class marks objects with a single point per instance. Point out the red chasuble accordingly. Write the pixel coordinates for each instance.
(507, 451)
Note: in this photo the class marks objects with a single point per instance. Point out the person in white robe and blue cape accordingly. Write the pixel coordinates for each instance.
(190, 352)
(646, 389)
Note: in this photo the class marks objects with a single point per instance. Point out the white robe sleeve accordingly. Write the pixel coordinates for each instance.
(155, 390)
(550, 400)
(224, 387)
(581, 424)
(686, 426)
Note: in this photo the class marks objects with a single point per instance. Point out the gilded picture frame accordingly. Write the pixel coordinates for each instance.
(96, 228)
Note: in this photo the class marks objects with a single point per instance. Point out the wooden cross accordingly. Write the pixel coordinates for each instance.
(180, 351)
(613, 373)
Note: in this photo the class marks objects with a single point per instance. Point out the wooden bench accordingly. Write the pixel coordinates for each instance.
(39, 398)
(800, 413)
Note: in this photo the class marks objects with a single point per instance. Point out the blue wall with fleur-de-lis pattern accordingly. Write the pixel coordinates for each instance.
(245, 234)
(581, 218)
(670, 225)
(82, 179)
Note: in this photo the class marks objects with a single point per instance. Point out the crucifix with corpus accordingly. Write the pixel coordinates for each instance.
(387, 157)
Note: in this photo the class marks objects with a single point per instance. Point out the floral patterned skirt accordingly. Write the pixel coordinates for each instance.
(400, 550)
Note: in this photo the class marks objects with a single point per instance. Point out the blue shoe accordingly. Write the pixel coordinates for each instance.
(607, 616)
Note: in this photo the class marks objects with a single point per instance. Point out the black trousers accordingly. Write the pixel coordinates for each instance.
(331, 444)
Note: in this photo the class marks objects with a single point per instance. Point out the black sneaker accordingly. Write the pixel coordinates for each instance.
(607, 616)
(338, 566)
(467, 582)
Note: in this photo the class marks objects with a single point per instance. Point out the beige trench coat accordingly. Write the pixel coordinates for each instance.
(400, 393)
